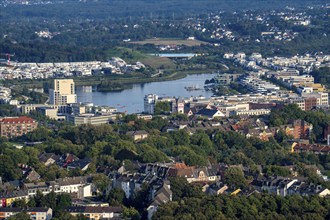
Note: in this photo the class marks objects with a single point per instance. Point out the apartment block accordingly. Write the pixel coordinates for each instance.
(17, 126)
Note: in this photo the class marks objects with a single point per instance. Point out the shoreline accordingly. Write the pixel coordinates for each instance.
(97, 80)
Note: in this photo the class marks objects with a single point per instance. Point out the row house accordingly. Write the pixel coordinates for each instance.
(194, 174)
(8, 197)
(36, 213)
(288, 186)
(95, 213)
(80, 186)
(159, 197)
(313, 148)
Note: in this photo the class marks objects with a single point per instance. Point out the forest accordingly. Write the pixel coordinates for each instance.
(96, 36)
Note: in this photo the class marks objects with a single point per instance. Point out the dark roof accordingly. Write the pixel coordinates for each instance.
(13, 194)
(45, 156)
(80, 163)
(30, 209)
(73, 180)
(207, 112)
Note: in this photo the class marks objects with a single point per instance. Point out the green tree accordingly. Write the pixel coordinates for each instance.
(131, 213)
(116, 196)
(162, 108)
(234, 178)
(20, 216)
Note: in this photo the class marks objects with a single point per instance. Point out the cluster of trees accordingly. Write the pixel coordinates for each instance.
(256, 206)
(164, 9)
(319, 119)
(109, 146)
(52, 200)
(91, 38)
(322, 75)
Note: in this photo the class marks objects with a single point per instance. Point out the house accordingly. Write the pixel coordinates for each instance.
(43, 187)
(129, 183)
(192, 174)
(314, 148)
(161, 196)
(8, 197)
(210, 113)
(74, 185)
(66, 159)
(38, 213)
(32, 175)
(80, 186)
(96, 212)
(138, 135)
(48, 158)
(81, 164)
(216, 188)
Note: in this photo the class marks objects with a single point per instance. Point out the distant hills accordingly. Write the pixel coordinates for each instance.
(141, 8)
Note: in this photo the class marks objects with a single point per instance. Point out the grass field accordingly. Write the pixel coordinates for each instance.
(158, 62)
(170, 41)
(132, 56)
(127, 54)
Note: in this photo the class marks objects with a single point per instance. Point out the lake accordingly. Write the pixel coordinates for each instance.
(131, 100)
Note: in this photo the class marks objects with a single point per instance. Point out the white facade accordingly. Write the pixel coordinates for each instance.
(149, 103)
(63, 92)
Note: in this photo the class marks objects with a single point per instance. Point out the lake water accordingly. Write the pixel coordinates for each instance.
(131, 100)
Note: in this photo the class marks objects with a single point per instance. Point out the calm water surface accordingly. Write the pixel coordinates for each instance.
(131, 100)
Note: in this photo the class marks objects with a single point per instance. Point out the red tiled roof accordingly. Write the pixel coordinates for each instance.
(17, 120)
(180, 166)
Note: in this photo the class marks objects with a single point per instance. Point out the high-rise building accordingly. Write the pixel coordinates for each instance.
(63, 92)
(149, 103)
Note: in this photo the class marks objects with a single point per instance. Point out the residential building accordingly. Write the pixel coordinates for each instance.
(313, 148)
(251, 112)
(322, 98)
(8, 197)
(48, 158)
(210, 113)
(95, 212)
(302, 129)
(63, 92)
(5, 94)
(72, 185)
(193, 174)
(225, 79)
(138, 135)
(159, 197)
(17, 126)
(38, 213)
